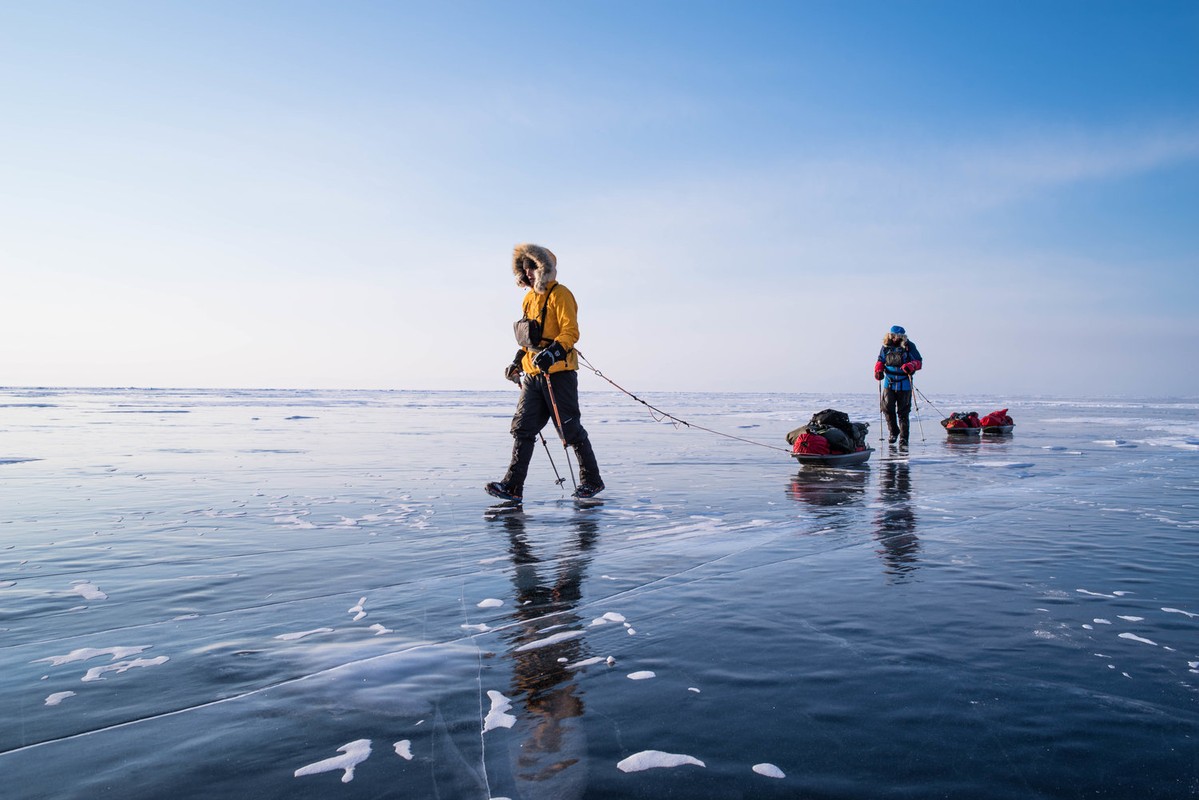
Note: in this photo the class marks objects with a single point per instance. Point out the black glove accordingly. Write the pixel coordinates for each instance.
(512, 371)
(549, 356)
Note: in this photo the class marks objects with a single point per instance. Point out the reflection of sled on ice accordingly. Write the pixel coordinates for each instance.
(834, 459)
(998, 428)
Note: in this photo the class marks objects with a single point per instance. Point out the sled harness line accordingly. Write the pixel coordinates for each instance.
(930, 402)
(659, 415)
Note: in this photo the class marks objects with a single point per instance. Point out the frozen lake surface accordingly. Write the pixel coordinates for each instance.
(285, 594)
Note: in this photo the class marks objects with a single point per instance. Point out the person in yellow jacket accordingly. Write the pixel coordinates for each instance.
(547, 334)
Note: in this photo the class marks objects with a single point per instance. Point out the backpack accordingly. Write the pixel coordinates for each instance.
(831, 418)
(860, 430)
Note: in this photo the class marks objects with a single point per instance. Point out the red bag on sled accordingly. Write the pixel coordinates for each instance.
(996, 418)
(811, 444)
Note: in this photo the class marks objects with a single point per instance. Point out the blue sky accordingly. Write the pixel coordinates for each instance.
(743, 196)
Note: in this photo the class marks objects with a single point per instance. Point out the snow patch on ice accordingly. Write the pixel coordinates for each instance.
(97, 673)
(1099, 621)
(354, 754)
(480, 628)
(380, 630)
(769, 770)
(89, 591)
(1135, 638)
(1179, 611)
(58, 697)
(1006, 464)
(651, 759)
(564, 636)
(498, 716)
(291, 637)
(490, 602)
(1130, 619)
(586, 662)
(404, 749)
(85, 653)
(642, 675)
(611, 616)
(357, 610)
(1094, 594)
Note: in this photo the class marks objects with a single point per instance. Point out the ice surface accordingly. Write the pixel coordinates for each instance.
(275, 588)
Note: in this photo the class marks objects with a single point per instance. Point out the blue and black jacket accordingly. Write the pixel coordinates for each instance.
(893, 360)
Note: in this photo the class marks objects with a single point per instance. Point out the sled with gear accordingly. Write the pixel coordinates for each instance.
(997, 422)
(963, 423)
(830, 440)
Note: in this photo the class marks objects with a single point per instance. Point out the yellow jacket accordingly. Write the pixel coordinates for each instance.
(561, 325)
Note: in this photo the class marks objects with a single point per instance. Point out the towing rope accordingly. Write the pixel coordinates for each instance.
(930, 402)
(659, 415)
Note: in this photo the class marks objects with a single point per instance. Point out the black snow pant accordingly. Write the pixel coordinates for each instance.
(533, 410)
(897, 405)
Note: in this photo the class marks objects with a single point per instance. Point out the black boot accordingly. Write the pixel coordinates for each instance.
(512, 485)
(504, 492)
(590, 482)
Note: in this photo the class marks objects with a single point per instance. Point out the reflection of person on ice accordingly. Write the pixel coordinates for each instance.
(897, 361)
(546, 368)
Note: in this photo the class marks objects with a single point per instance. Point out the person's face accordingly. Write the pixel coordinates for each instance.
(530, 271)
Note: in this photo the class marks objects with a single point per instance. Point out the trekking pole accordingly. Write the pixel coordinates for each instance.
(559, 480)
(916, 405)
(558, 422)
(882, 422)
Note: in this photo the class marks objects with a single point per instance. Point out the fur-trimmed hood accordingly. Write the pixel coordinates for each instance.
(545, 262)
